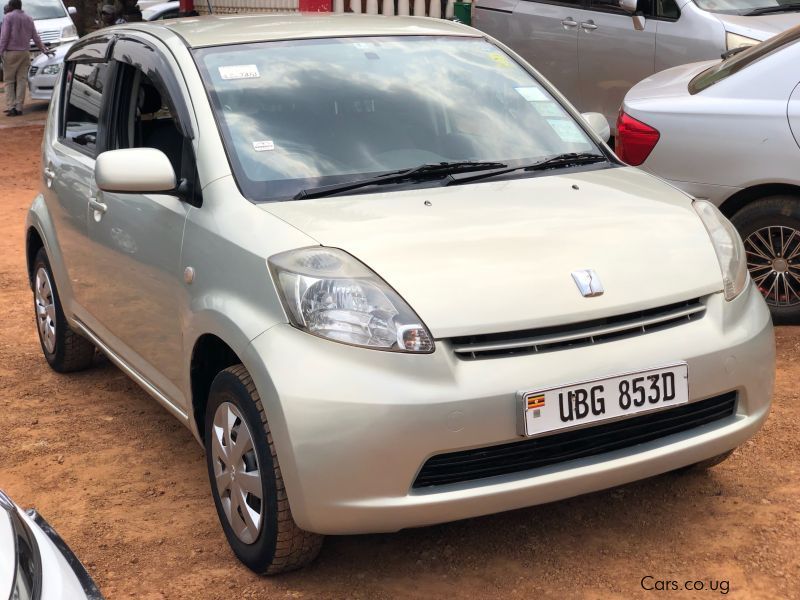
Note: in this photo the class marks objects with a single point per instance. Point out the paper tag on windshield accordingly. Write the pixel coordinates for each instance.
(263, 145)
(239, 72)
(567, 130)
(532, 94)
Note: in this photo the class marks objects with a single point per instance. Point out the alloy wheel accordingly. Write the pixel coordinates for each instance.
(45, 309)
(773, 258)
(236, 473)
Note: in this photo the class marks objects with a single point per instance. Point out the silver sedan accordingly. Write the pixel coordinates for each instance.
(729, 131)
(35, 563)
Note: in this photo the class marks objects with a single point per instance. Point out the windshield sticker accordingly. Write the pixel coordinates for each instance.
(239, 72)
(532, 94)
(567, 130)
(500, 59)
(548, 109)
(263, 146)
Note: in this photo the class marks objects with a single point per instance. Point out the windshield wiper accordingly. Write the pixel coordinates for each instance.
(733, 52)
(569, 159)
(420, 173)
(765, 10)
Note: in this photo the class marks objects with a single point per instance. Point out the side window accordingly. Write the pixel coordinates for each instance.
(606, 6)
(667, 9)
(84, 93)
(143, 117)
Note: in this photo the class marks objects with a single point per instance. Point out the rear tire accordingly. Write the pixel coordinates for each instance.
(64, 349)
(243, 465)
(770, 229)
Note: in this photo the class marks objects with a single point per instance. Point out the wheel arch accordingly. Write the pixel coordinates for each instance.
(210, 355)
(743, 197)
(33, 243)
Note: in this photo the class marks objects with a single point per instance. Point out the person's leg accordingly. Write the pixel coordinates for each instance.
(22, 79)
(12, 64)
(10, 81)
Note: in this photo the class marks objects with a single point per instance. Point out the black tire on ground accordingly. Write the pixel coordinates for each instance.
(281, 545)
(72, 352)
(774, 211)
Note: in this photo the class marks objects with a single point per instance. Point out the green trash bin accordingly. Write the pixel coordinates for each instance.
(462, 12)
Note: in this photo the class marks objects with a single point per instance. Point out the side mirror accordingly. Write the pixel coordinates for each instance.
(71, 10)
(135, 171)
(597, 122)
(629, 6)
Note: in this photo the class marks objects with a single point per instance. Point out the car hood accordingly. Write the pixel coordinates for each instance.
(669, 83)
(58, 56)
(759, 27)
(498, 256)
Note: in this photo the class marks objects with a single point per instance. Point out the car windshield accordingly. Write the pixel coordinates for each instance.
(742, 7)
(302, 114)
(735, 63)
(44, 9)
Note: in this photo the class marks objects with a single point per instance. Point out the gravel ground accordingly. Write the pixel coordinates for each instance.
(126, 486)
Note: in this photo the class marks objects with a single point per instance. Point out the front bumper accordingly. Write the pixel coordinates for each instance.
(352, 427)
(41, 87)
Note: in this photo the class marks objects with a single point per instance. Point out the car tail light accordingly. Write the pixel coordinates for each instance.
(635, 140)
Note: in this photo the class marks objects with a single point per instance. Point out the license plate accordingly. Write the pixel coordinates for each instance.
(609, 398)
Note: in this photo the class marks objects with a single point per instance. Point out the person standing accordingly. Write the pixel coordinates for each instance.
(15, 43)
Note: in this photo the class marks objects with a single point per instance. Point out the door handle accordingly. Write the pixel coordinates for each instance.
(588, 25)
(98, 207)
(49, 175)
(569, 22)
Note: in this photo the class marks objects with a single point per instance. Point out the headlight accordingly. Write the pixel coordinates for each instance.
(330, 294)
(728, 246)
(734, 40)
(69, 32)
(51, 69)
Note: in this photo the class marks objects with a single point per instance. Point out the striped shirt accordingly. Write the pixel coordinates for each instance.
(17, 32)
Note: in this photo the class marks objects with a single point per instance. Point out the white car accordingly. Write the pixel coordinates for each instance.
(729, 131)
(385, 273)
(35, 563)
(44, 71)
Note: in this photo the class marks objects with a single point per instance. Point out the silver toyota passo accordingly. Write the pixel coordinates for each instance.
(385, 273)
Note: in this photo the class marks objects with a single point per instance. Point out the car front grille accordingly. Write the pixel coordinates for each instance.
(49, 36)
(515, 457)
(33, 71)
(586, 333)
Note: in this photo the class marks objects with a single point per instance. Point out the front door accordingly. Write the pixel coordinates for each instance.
(137, 237)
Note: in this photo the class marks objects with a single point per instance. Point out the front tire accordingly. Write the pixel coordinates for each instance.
(246, 480)
(770, 230)
(64, 349)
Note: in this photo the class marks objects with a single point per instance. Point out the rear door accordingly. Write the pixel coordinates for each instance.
(543, 33)
(613, 56)
(68, 164)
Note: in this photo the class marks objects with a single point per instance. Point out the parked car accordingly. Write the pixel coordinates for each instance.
(397, 281)
(44, 71)
(160, 11)
(728, 131)
(594, 51)
(35, 563)
(53, 23)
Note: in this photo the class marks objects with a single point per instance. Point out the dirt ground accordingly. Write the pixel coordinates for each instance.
(126, 486)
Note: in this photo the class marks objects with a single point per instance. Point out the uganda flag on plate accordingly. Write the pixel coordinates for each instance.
(535, 401)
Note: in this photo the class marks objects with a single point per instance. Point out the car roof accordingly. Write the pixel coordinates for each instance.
(217, 30)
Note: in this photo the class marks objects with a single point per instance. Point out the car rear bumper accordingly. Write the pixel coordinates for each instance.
(353, 427)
